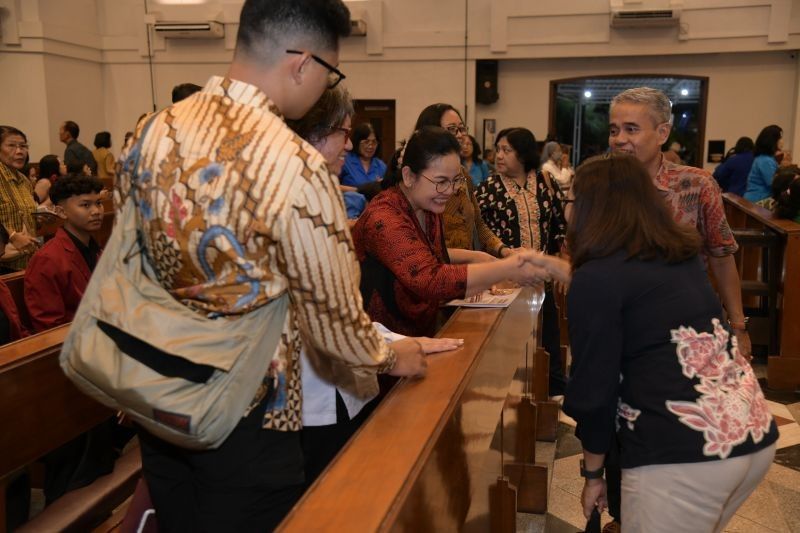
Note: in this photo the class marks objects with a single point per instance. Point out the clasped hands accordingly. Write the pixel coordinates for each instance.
(535, 268)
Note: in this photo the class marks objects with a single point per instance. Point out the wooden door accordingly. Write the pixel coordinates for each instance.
(381, 114)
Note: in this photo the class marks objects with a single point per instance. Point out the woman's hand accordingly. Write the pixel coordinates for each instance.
(23, 241)
(557, 269)
(594, 495)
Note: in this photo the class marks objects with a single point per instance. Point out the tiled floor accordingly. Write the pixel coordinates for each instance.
(773, 507)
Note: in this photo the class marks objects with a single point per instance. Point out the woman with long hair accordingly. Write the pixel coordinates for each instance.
(769, 146)
(654, 363)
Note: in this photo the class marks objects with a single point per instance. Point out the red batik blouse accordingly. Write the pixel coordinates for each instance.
(405, 270)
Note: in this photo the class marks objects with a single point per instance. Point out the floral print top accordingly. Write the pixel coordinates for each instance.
(523, 217)
(653, 362)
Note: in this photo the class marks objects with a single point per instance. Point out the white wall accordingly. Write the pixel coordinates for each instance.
(747, 91)
(24, 98)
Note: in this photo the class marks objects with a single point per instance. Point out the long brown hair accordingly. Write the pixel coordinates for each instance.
(617, 207)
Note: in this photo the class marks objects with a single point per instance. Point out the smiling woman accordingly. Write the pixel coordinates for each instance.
(16, 197)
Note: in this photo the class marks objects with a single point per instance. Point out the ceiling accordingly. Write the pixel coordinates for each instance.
(679, 90)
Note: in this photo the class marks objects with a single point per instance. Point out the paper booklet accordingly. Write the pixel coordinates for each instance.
(500, 298)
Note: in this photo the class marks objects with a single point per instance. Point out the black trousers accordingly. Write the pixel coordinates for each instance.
(322, 443)
(551, 341)
(248, 484)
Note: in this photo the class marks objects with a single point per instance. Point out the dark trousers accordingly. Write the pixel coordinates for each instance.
(249, 483)
(551, 341)
(322, 443)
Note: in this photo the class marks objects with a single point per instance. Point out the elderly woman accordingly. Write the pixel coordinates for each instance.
(556, 164)
(331, 413)
(655, 363)
(17, 204)
(524, 209)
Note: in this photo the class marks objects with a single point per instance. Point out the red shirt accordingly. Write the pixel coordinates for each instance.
(405, 270)
(16, 329)
(55, 280)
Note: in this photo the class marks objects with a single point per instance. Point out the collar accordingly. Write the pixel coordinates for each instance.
(512, 185)
(92, 248)
(661, 176)
(241, 93)
(11, 174)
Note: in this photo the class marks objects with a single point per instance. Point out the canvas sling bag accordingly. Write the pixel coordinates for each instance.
(183, 377)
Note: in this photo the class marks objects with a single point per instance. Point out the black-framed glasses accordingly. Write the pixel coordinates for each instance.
(455, 129)
(334, 74)
(443, 186)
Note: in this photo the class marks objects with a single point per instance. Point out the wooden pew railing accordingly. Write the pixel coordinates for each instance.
(40, 410)
(783, 368)
(425, 459)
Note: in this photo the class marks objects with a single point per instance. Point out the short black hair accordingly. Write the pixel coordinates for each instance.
(74, 185)
(422, 147)
(5, 131)
(72, 128)
(75, 167)
(524, 144)
(432, 115)
(329, 113)
(786, 192)
(362, 133)
(184, 90)
(49, 167)
(270, 26)
(102, 140)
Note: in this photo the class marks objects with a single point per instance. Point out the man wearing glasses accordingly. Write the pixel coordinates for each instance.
(238, 212)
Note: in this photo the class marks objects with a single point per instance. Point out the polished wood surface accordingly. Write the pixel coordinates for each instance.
(425, 459)
(783, 372)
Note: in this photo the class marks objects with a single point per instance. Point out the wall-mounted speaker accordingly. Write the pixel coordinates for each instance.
(486, 81)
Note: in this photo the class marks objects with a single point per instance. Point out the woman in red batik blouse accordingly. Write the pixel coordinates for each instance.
(406, 268)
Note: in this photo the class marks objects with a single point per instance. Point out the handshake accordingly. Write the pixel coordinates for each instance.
(534, 268)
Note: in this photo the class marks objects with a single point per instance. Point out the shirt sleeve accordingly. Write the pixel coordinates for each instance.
(490, 242)
(324, 276)
(392, 240)
(723, 172)
(596, 337)
(718, 239)
(43, 295)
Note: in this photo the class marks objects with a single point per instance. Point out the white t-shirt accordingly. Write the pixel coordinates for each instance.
(319, 396)
(562, 175)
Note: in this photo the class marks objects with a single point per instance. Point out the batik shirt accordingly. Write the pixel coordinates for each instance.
(237, 211)
(523, 217)
(694, 198)
(16, 208)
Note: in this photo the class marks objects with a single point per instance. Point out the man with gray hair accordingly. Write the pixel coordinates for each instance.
(640, 121)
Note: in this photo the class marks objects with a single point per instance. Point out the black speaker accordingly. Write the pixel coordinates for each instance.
(486, 81)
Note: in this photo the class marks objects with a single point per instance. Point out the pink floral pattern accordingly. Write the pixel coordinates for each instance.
(731, 405)
(626, 412)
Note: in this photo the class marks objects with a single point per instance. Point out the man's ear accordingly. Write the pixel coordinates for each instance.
(298, 64)
(60, 213)
(663, 130)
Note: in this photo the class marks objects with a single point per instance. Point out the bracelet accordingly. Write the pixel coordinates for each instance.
(592, 474)
(739, 326)
(12, 235)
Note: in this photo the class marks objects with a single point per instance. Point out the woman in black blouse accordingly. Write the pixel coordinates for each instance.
(524, 209)
(655, 363)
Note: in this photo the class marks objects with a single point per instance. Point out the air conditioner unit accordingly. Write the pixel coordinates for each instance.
(358, 27)
(190, 30)
(645, 13)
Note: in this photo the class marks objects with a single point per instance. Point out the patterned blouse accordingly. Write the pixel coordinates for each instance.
(16, 208)
(405, 270)
(237, 210)
(694, 198)
(524, 217)
(464, 227)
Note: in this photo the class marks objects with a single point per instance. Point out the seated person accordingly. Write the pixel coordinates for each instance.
(58, 274)
(50, 169)
(785, 201)
(11, 327)
(406, 269)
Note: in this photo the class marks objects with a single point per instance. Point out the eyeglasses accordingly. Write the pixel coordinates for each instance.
(456, 129)
(344, 130)
(443, 186)
(334, 74)
(369, 142)
(14, 147)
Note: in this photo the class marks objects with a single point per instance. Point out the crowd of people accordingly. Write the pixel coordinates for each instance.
(294, 199)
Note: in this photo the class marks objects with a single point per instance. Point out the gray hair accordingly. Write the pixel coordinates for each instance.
(330, 112)
(656, 101)
(548, 150)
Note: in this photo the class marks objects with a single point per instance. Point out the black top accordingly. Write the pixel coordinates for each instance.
(89, 253)
(652, 355)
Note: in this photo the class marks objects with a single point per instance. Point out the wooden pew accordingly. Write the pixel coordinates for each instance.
(783, 369)
(425, 459)
(40, 410)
